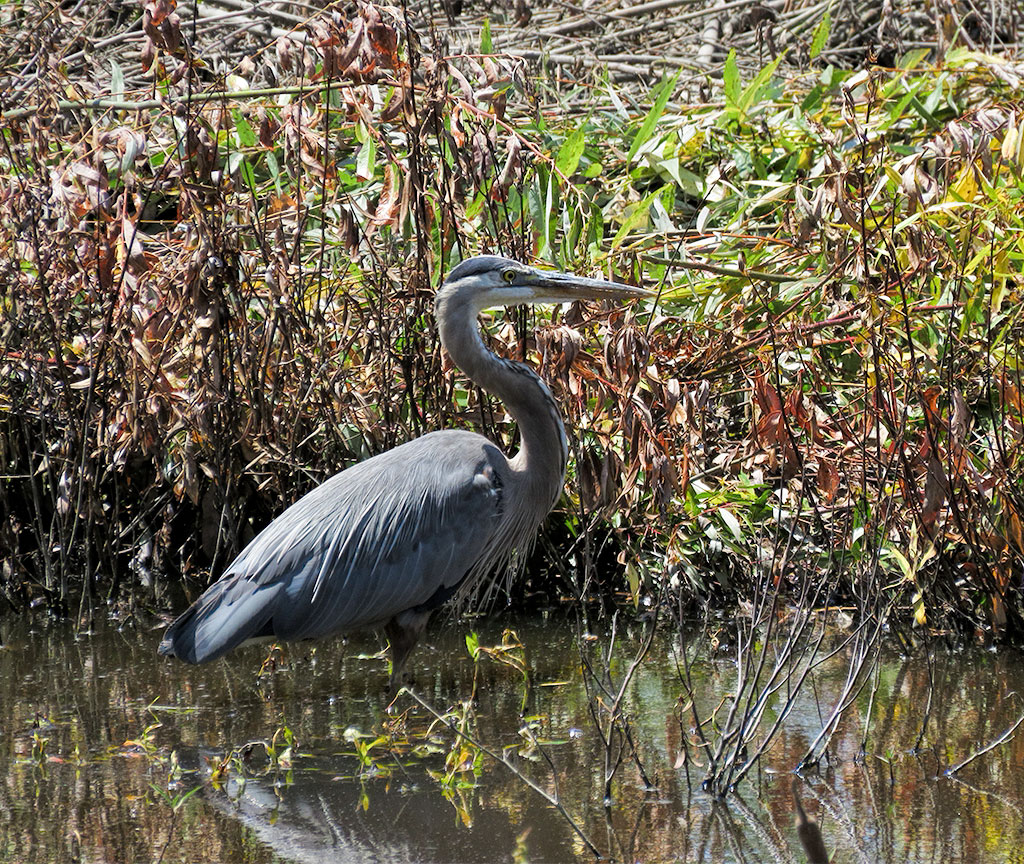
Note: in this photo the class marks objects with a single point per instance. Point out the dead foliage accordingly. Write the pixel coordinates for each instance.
(217, 278)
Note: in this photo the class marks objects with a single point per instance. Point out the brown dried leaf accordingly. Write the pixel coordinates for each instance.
(828, 479)
(348, 230)
(394, 107)
(765, 395)
(1014, 529)
(958, 422)
(930, 403)
(347, 57)
(684, 470)
(385, 42)
(269, 129)
(285, 56)
(147, 54)
(464, 85)
(170, 30)
(382, 39)
(387, 204)
(510, 169)
(936, 490)
(150, 27)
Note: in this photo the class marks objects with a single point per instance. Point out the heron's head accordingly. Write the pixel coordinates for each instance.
(488, 281)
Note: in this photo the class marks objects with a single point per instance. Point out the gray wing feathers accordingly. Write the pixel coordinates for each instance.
(373, 541)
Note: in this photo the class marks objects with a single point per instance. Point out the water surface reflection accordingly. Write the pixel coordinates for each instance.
(100, 739)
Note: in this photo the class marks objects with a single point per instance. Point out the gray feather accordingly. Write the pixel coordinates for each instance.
(377, 539)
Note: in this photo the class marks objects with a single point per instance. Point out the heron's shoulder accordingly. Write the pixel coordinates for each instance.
(450, 448)
(443, 460)
(449, 442)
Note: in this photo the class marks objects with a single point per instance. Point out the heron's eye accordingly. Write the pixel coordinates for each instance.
(509, 276)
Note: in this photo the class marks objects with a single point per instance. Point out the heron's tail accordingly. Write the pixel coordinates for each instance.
(221, 619)
(180, 638)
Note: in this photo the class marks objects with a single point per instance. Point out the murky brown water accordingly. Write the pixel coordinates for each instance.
(83, 779)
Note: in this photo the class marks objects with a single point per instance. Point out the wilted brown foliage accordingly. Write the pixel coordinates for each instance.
(209, 310)
(219, 249)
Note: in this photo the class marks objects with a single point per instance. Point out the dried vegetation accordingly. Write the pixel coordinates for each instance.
(221, 229)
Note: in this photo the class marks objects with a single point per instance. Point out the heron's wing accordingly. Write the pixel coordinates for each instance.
(389, 534)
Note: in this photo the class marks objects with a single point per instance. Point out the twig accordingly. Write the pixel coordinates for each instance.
(1002, 739)
(583, 60)
(265, 9)
(777, 278)
(150, 104)
(638, 11)
(710, 35)
(242, 7)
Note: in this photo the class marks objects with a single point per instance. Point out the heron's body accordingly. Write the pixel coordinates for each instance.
(383, 543)
(303, 576)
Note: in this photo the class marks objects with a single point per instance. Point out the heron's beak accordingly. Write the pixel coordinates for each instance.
(553, 287)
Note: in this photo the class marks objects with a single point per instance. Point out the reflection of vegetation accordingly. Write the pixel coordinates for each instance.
(606, 702)
(96, 786)
(510, 652)
(146, 741)
(466, 743)
(174, 803)
(240, 762)
(776, 649)
(39, 743)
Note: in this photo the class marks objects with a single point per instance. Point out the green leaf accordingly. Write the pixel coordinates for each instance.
(246, 137)
(475, 206)
(812, 101)
(568, 158)
(273, 168)
(366, 161)
(486, 44)
(689, 182)
(901, 560)
(572, 237)
(549, 216)
(595, 229)
(920, 610)
(639, 215)
(731, 80)
(925, 112)
(473, 645)
(757, 88)
(248, 175)
(633, 577)
(732, 523)
(657, 109)
(821, 33)
(913, 57)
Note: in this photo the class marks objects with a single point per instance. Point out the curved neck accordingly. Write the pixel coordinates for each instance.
(543, 452)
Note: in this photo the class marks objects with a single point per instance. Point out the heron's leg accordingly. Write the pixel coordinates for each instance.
(403, 632)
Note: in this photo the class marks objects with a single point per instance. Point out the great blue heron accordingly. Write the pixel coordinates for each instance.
(385, 542)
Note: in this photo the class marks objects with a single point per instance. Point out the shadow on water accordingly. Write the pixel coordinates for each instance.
(101, 740)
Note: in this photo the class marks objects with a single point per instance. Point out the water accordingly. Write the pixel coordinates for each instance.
(101, 740)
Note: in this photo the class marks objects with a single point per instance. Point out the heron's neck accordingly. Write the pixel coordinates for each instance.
(543, 447)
